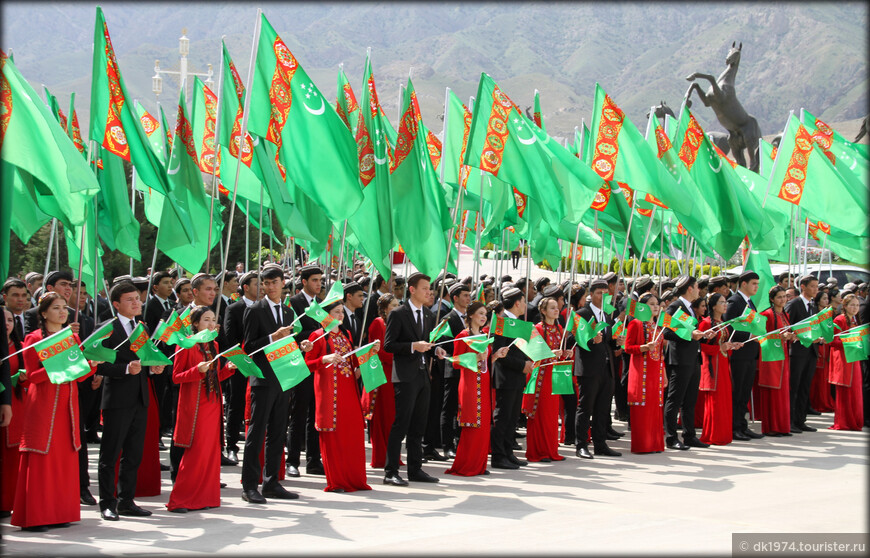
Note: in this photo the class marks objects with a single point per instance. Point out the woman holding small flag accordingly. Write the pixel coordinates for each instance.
(821, 398)
(541, 407)
(475, 396)
(773, 376)
(379, 405)
(714, 390)
(47, 494)
(646, 380)
(196, 440)
(846, 376)
(338, 414)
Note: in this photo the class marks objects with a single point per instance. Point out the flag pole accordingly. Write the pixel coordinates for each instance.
(574, 256)
(528, 262)
(260, 234)
(82, 254)
(132, 210)
(478, 225)
(596, 254)
(790, 239)
(247, 239)
(341, 251)
(217, 126)
(806, 241)
(365, 325)
(244, 131)
(661, 244)
(50, 245)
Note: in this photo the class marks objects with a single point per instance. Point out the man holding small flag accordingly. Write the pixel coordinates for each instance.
(802, 358)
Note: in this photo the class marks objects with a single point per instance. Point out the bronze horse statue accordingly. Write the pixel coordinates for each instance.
(743, 129)
(719, 139)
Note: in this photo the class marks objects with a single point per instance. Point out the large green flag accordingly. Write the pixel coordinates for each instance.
(116, 224)
(92, 262)
(61, 356)
(420, 214)
(372, 224)
(155, 132)
(287, 362)
(288, 110)
(188, 200)
(846, 156)
(345, 103)
(113, 122)
(804, 176)
(539, 114)
(706, 168)
(35, 150)
(506, 144)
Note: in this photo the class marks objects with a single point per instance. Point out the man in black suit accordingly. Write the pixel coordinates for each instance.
(802, 359)
(302, 431)
(58, 281)
(370, 306)
(508, 379)
(528, 290)
(353, 303)
(541, 283)
(235, 333)
(266, 321)
(125, 409)
(460, 298)
(864, 317)
(159, 303)
(17, 300)
(407, 338)
(620, 388)
(432, 435)
(684, 371)
(595, 378)
(743, 361)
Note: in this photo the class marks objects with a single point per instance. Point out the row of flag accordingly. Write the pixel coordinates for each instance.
(276, 147)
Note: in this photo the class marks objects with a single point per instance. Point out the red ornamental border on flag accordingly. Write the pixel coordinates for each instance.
(139, 342)
(662, 142)
(823, 136)
(434, 146)
(62, 118)
(114, 137)
(627, 193)
(149, 123)
(206, 162)
(731, 162)
(681, 230)
(56, 348)
(349, 98)
(365, 152)
(521, 201)
(606, 144)
(496, 132)
(692, 140)
(654, 200)
(282, 351)
(185, 133)
(364, 357)
(792, 188)
(408, 129)
(601, 199)
(234, 352)
(170, 329)
(499, 326)
(5, 100)
(76, 132)
(803, 329)
(280, 95)
(464, 170)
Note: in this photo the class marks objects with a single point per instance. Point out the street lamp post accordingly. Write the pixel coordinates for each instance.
(183, 72)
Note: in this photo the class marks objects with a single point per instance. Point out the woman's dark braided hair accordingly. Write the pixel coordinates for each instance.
(207, 350)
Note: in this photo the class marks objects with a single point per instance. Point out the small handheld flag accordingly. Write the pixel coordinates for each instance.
(93, 348)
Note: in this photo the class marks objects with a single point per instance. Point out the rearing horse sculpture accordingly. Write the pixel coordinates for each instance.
(742, 127)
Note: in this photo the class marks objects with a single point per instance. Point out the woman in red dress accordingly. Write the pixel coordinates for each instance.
(542, 407)
(380, 405)
(646, 380)
(197, 434)
(47, 494)
(699, 307)
(338, 416)
(773, 377)
(846, 376)
(714, 390)
(10, 436)
(475, 401)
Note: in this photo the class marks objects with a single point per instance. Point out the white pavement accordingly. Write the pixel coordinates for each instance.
(676, 502)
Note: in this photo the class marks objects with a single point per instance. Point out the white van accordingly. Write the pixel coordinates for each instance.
(842, 273)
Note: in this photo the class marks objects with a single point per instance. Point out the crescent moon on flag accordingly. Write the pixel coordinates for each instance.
(255, 140)
(294, 360)
(529, 141)
(372, 364)
(73, 355)
(317, 112)
(382, 161)
(176, 169)
(717, 169)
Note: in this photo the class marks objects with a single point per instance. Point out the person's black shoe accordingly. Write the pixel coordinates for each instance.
(751, 434)
(280, 493)
(604, 450)
(795, 430)
(784, 433)
(676, 444)
(772, 434)
(314, 470)
(161, 446)
(109, 514)
(395, 480)
(806, 428)
(567, 443)
(339, 490)
(611, 437)
(433, 455)
(164, 467)
(253, 497)
(422, 476)
(504, 464)
(292, 471)
(516, 461)
(612, 432)
(546, 460)
(233, 456)
(516, 446)
(812, 411)
(486, 471)
(226, 462)
(519, 435)
(451, 453)
(696, 443)
(180, 510)
(583, 451)
(130, 508)
(93, 437)
(87, 498)
(740, 436)
(5, 513)
(223, 485)
(36, 528)
(60, 525)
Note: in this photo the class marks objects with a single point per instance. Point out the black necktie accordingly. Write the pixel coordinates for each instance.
(420, 323)
(19, 326)
(166, 305)
(278, 315)
(751, 304)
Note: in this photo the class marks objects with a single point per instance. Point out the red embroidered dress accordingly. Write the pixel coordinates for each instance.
(542, 407)
(848, 404)
(714, 390)
(475, 413)
(645, 384)
(773, 383)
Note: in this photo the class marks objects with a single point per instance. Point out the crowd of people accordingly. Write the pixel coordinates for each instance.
(471, 399)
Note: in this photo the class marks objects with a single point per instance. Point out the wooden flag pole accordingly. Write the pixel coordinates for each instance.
(574, 256)
(244, 130)
(215, 157)
(50, 246)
